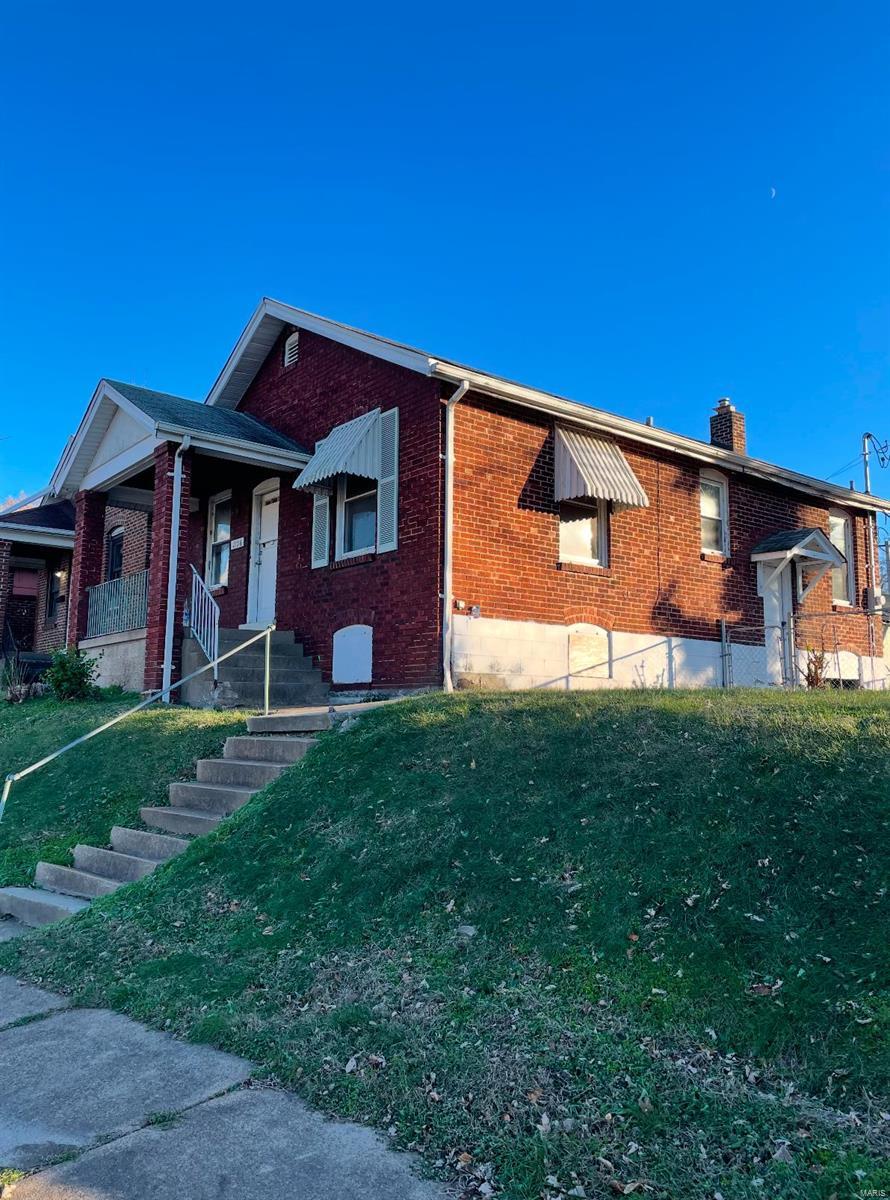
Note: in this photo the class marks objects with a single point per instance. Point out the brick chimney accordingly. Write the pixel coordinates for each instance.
(728, 427)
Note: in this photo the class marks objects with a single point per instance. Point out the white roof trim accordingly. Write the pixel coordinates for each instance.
(352, 448)
(271, 316)
(37, 535)
(588, 466)
(73, 471)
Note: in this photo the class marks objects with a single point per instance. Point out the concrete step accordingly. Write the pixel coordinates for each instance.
(234, 637)
(9, 929)
(143, 844)
(309, 720)
(190, 821)
(32, 906)
(239, 670)
(112, 864)
(268, 749)
(209, 797)
(284, 695)
(72, 882)
(234, 772)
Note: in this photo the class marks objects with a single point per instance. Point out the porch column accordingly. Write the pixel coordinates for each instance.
(5, 586)
(159, 565)
(86, 561)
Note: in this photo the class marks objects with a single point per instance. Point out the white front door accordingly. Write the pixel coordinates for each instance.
(778, 605)
(264, 555)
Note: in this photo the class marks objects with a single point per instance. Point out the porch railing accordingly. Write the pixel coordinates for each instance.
(204, 618)
(118, 605)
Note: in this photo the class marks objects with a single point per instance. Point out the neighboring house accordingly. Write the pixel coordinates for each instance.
(415, 522)
(35, 564)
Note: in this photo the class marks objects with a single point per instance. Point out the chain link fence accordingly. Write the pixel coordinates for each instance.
(809, 650)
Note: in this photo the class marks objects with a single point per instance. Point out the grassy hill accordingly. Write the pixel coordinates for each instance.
(103, 782)
(615, 943)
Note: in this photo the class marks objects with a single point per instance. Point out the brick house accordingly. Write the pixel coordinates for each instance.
(409, 522)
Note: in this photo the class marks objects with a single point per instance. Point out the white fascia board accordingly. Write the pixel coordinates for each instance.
(36, 535)
(236, 448)
(129, 462)
(68, 461)
(335, 331)
(597, 418)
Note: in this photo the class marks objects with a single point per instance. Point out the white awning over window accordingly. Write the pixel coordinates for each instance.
(349, 449)
(588, 466)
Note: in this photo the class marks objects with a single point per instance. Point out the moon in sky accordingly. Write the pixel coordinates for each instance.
(772, 193)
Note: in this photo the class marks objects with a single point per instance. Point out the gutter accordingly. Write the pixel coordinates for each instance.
(598, 419)
(448, 549)
(173, 568)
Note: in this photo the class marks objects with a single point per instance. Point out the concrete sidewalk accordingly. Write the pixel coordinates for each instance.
(124, 1113)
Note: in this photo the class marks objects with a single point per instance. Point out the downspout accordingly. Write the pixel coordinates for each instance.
(173, 566)
(447, 587)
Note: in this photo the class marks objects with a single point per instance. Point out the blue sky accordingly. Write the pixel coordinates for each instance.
(578, 197)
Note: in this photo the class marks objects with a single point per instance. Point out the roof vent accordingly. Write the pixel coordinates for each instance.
(292, 349)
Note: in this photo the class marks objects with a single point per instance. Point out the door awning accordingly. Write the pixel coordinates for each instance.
(811, 549)
(588, 466)
(349, 449)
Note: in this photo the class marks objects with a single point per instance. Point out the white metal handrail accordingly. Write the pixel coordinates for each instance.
(204, 618)
(266, 633)
(118, 604)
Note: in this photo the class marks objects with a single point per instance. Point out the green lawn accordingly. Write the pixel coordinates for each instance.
(614, 943)
(99, 784)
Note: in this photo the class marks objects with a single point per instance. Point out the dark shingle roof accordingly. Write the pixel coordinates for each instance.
(58, 515)
(786, 540)
(204, 418)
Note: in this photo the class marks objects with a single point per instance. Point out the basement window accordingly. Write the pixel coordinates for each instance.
(584, 532)
(219, 537)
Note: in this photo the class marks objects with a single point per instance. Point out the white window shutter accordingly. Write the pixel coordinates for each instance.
(388, 482)
(321, 530)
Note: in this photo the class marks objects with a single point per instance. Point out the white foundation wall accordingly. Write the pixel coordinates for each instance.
(492, 653)
(121, 658)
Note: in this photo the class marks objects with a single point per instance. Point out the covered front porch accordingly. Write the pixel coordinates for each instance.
(176, 529)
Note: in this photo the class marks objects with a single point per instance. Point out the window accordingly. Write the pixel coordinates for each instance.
(24, 581)
(292, 349)
(356, 516)
(839, 534)
(714, 508)
(584, 532)
(114, 553)
(219, 535)
(55, 592)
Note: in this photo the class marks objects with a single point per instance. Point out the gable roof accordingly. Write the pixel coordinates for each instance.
(150, 418)
(272, 316)
(59, 515)
(191, 416)
(788, 539)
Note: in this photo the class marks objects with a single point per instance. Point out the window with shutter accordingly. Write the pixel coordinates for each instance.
(388, 482)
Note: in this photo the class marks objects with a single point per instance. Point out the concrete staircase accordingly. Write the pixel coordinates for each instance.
(294, 680)
(223, 785)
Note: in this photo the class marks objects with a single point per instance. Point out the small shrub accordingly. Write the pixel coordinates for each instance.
(71, 675)
(14, 681)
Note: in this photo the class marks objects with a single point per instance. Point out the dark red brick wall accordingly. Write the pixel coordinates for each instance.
(5, 584)
(507, 538)
(86, 565)
(49, 633)
(397, 592)
(137, 545)
(160, 558)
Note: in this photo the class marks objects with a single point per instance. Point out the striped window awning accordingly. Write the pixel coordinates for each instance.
(588, 466)
(349, 449)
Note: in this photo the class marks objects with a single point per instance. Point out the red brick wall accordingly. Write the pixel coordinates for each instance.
(86, 565)
(5, 584)
(160, 559)
(397, 592)
(49, 634)
(137, 546)
(507, 538)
